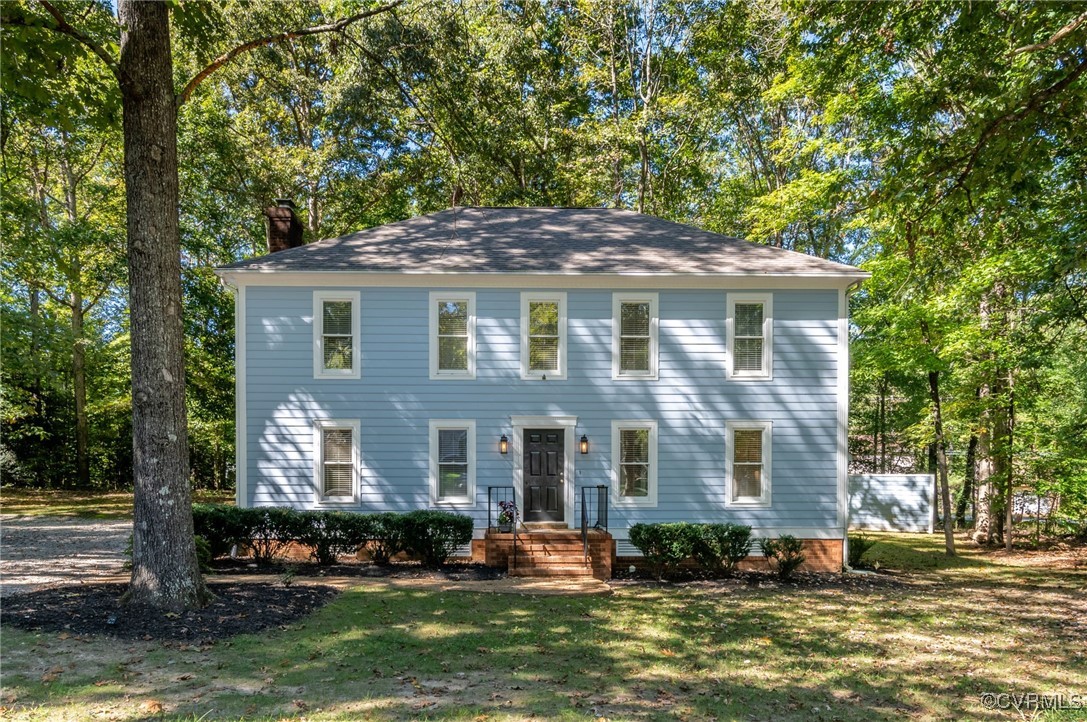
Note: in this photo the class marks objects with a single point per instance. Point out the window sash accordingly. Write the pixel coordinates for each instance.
(635, 458)
(635, 347)
(453, 342)
(452, 460)
(751, 359)
(337, 462)
(749, 462)
(337, 319)
(544, 345)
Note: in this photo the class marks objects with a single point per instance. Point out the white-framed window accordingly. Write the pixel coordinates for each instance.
(749, 331)
(635, 322)
(336, 335)
(543, 335)
(634, 462)
(452, 335)
(452, 462)
(337, 457)
(747, 462)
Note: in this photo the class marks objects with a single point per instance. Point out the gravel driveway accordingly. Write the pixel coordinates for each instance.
(38, 552)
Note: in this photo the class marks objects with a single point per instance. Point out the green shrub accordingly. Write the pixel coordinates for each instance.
(859, 544)
(222, 526)
(785, 554)
(718, 548)
(384, 537)
(203, 554)
(434, 535)
(272, 529)
(664, 546)
(327, 533)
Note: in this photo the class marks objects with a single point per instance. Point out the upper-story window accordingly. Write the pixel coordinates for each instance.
(749, 331)
(543, 335)
(335, 334)
(452, 335)
(634, 335)
(747, 462)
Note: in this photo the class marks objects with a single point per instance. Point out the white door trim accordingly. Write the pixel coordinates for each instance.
(569, 425)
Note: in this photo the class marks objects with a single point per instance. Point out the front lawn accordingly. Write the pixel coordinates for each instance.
(924, 645)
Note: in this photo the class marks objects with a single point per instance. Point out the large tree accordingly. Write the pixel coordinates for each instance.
(165, 572)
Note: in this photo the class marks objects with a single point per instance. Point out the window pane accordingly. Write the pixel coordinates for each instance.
(337, 317)
(748, 446)
(337, 480)
(337, 445)
(634, 319)
(748, 482)
(543, 318)
(634, 480)
(634, 445)
(747, 354)
(749, 319)
(452, 354)
(452, 318)
(452, 480)
(453, 446)
(543, 354)
(338, 352)
(634, 354)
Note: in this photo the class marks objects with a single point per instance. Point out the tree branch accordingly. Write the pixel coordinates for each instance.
(226, 57)
(1053, 39)
(63, 27)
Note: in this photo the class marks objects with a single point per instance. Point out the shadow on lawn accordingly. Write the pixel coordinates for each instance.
(411, 654)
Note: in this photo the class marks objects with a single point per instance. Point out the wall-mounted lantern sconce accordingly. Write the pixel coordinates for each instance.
(503, 445)
(584, 444)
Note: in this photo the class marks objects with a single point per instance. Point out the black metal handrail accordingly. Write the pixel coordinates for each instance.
(496, 494)
(600, 521)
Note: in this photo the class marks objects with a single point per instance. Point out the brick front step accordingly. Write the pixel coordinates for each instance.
(565, 571)
(529, 560)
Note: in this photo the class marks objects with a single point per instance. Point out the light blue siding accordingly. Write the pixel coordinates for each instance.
(692, 400)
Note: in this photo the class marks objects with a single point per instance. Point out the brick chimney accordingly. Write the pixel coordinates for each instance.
(282, 226)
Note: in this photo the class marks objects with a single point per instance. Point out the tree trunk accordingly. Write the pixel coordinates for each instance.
(941, 461)
(165, 572)
(79, 392)
(967, 493)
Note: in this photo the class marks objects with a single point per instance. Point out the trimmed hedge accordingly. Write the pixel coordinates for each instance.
(432, 535)
(717, 548)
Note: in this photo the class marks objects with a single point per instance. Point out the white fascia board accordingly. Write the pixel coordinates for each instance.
(410, 279)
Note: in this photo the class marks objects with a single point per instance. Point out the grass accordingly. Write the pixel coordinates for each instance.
(84, 504)
(927, 648)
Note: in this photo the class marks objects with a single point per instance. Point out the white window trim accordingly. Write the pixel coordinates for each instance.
(617, 301)
(319, 370)
(767, 301)
(436, 297)
(319, 426)
(650, 500)
(767, 428)
(560, 298)
(436, 425)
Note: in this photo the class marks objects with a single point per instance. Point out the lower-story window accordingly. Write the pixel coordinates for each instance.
(452, 462)
(747, 462)
(336, 446)
(634, 463)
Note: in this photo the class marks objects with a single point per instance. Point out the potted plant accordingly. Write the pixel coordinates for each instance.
(507, 516)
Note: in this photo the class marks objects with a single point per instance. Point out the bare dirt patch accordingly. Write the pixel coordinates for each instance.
(38, 552)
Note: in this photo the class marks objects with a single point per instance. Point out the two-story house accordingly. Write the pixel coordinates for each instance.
(439, 361)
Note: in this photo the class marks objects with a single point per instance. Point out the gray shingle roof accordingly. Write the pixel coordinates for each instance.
(542, 240)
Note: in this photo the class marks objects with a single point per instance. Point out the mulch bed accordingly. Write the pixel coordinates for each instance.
(452, 572)
(239, 608)
(759, 579)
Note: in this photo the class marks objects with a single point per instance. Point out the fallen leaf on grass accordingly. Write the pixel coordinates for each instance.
(152, 706)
